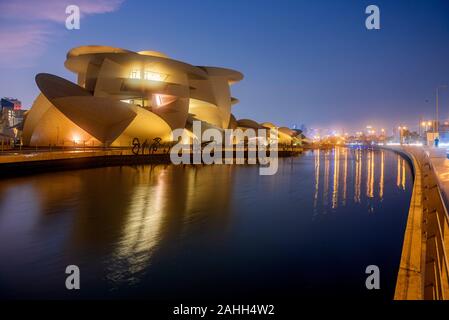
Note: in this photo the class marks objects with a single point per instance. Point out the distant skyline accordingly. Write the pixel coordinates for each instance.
(310, 62)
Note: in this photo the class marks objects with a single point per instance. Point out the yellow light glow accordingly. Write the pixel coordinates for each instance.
(154, 76)
(135, 74)
(76, 138)
(158, 98)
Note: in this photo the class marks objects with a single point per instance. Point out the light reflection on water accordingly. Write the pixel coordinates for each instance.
(367, 165)
(207, 231)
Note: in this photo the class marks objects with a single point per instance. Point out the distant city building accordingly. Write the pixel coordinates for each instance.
(11, 103)
(11, 112)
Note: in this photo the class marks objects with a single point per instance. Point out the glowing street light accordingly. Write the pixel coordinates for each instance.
(401, 133)
(76, 139)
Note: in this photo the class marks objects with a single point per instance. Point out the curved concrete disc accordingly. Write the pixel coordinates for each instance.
(54, 87)
(103, 118)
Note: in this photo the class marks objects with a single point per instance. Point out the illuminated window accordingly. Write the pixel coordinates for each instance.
(158, 99)
(135, 74)
(154, 76)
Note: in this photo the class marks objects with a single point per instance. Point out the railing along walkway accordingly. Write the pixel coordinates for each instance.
(423, 272)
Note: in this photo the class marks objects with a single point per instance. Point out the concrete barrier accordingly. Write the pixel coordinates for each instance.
(37, 162)
(423, 272)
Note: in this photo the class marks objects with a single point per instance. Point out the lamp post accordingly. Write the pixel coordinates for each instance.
(401, 134)
(437, 107)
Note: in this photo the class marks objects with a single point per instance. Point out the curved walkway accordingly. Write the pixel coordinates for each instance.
(423, 271)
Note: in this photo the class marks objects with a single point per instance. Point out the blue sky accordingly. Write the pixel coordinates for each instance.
(311, 62)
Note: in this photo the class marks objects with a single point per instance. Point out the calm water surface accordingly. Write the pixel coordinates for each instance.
(208, 232)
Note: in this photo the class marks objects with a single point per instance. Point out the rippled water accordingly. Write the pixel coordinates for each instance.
(206, 232)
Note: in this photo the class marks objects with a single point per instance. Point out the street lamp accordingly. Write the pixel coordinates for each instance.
(401, 133)
(437, 106)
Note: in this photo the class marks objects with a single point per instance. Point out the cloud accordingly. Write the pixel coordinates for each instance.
(54, 10)
(27, 26)
(22, 44)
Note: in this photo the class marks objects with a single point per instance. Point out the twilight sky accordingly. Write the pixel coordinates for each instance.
(311, 62)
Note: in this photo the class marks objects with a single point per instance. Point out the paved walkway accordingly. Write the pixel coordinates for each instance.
(440, 164)
(410, 279)
(424, 261)
(11, 157)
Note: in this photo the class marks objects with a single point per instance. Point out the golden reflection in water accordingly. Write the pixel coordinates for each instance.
(142, 229)
(370, 165)
(403, 174)
(381, 182)
(326, 178)
(372, 176)
(401, 179)
(336, 178)
(368, 173)
(191, 177)
(339, 193)
(46, 192)
(358, 175)
(164, 203)
(317, 177)
(345, 177)
(362, 161)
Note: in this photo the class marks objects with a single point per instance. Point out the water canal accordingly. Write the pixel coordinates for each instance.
(208, 232)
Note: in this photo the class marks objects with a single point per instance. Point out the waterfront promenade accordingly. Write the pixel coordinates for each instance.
(30, 160)
(12, 156)
(423, 272)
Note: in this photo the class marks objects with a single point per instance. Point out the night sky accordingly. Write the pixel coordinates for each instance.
(310, 62)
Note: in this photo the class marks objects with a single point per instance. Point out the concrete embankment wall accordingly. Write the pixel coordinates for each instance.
(423, 271)
(25, 164)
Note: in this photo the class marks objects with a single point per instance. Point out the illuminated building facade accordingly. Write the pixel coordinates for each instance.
(121, 95)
